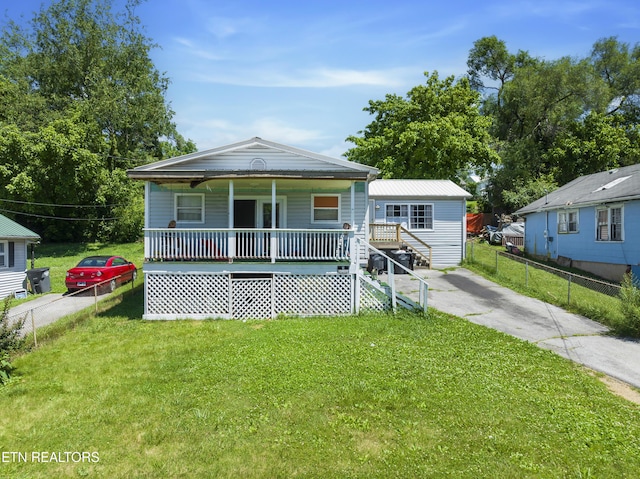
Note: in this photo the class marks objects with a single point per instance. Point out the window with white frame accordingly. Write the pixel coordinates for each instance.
(416, 216)
(325, 208)
(609, 224)
(397, 214)
(189, 207)
(4, 254)
(568, 221)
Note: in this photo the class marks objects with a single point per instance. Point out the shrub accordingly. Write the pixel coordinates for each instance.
(10, 340)
(630, 305)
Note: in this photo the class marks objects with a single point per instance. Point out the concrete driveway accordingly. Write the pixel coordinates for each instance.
(468, 295)
(49, 307)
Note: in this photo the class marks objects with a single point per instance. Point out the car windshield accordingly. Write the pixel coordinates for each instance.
(93, 262)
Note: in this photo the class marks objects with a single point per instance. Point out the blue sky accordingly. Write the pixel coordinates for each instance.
(300, 72)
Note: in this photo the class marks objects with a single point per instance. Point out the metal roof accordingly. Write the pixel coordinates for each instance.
(620, 184)
(9, 229)
(416, 189)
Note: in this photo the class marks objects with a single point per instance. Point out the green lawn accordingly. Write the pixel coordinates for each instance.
(371, 396)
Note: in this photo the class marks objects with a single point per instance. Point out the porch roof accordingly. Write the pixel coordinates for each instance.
(194, 178)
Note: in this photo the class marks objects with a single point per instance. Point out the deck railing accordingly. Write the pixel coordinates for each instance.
(259, 244)
(396, 233)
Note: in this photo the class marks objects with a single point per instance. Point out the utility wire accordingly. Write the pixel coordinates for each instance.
(56, 205)
(57, 217)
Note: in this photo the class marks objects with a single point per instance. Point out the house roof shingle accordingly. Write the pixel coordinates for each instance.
(619, 184)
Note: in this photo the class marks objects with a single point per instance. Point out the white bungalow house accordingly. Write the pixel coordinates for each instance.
(261, 229)
(427, 216)
(14, 242)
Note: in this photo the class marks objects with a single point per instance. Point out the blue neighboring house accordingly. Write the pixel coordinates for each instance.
(592, 223)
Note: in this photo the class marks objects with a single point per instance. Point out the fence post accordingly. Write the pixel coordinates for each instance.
(95, 297)
(33, 326)
(569, 291)
(496, 261)
(526, 274)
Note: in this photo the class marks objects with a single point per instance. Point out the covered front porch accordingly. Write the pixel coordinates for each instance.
(248, 244)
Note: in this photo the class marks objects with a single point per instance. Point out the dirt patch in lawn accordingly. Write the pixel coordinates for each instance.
(621, 388)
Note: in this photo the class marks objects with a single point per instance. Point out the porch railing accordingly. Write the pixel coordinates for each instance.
(260, 244)
(396, 233)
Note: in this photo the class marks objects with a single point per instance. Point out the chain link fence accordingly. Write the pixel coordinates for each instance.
(48, 308)
(553, 285)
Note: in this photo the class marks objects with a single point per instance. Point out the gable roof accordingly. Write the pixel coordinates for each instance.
(9, 229)
(254, 157)
(416, 189)
(620, 184)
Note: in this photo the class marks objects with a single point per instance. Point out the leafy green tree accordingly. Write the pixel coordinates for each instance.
(557, 119)
(82, 103)
(437, 131)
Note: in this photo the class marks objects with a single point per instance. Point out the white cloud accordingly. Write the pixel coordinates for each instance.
(217, 132)
(313, 78)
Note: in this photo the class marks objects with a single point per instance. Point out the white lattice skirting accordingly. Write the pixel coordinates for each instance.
(220, 295)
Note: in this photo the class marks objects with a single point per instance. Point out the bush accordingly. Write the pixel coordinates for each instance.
(630, 305)
(10, 340)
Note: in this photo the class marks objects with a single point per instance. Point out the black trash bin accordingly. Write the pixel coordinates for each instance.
(405, 259)
(378, 262)
(39, 279)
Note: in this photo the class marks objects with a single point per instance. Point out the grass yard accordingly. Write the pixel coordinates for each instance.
(372, 396)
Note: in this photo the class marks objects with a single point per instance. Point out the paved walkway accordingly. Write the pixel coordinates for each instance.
(468, 295)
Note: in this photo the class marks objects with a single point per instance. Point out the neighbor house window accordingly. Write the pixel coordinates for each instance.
(414, 216)
(4, 254)
(326, 208)
(190, 208)
(568, 221)
(609, 224)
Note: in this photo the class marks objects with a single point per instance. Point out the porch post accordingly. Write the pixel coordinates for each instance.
(231, 239)
(274, 240)
(353, 204)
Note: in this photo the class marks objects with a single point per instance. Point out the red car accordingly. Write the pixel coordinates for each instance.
(111, 271)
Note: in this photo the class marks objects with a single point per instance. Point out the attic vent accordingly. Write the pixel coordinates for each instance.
(258, 164)
(611, 184)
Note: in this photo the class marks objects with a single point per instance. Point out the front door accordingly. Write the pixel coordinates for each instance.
(244, 213)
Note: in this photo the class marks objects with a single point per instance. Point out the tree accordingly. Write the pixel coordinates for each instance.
(83, 103)
(557, 119)
(437, 131)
